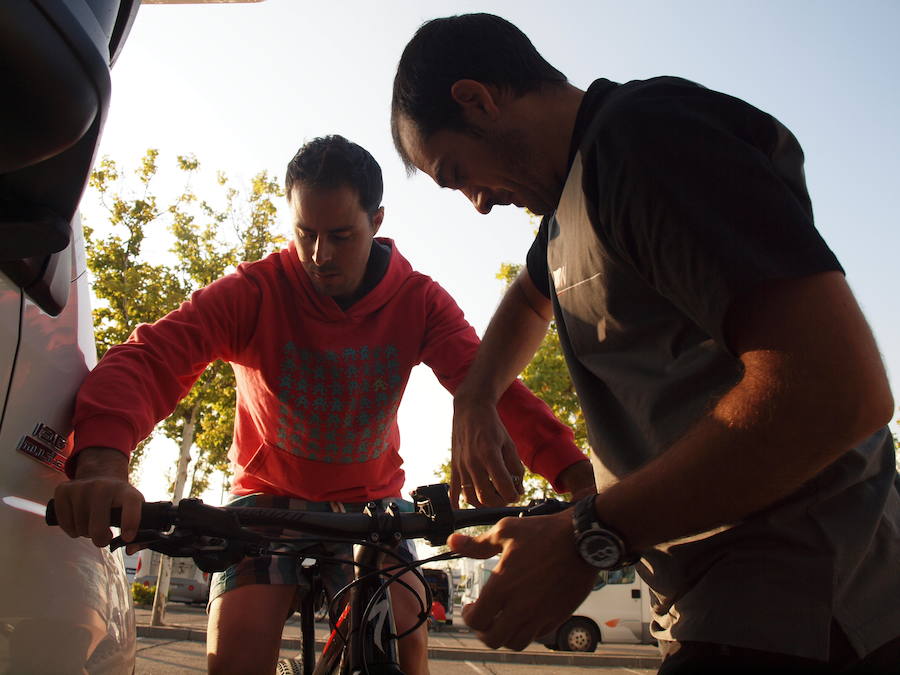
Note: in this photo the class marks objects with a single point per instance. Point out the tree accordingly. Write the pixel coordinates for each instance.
(207, 242)
(896, 451)
(132, 290)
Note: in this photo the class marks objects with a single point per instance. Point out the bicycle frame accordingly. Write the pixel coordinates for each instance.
(217, 537)
(364, 637)
(371, 643)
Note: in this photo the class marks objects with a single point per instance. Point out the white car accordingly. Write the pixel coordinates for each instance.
(65, 605)
(188, 583)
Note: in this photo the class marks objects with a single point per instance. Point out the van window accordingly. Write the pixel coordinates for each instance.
(626, 575)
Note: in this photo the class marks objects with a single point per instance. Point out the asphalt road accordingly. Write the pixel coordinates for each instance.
(173, 657)
(179, 647)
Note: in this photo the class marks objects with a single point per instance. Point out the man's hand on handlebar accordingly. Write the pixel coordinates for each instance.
(101, 483)
(537, 584)
(485, 467)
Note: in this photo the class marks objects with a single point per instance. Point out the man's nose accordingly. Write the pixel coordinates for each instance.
(481, 200)
(322, 251)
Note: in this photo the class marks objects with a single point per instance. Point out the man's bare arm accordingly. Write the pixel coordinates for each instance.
(814, 385)
(511, 339)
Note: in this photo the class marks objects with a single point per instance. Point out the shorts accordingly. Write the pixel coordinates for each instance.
(706, 658)
(286, 570)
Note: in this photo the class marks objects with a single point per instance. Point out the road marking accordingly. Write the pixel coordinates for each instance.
(480, 671)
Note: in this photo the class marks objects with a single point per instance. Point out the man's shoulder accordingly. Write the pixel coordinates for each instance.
(667, 100)
(250, 277)
(409, 277)
(272, 267)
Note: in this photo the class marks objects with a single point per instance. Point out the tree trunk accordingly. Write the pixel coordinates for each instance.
(157, 618)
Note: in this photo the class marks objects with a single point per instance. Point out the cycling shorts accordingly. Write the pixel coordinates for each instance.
(286, 570)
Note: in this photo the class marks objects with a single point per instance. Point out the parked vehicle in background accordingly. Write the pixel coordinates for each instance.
(441, 590)
(131, 562)
(617, 610)
(188, 583)
(475, 574)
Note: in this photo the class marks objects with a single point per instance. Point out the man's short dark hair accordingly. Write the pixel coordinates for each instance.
(330, 162)
(480, 47)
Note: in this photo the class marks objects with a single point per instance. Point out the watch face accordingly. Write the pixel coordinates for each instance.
(599, 549)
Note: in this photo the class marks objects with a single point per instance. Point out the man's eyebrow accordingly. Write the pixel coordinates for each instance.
(340, 230)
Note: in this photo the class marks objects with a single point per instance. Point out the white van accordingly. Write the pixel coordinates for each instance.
(188, 583)
(131, 562)
(617, 610)
(473, 576)
(53, 585)
(65, 606)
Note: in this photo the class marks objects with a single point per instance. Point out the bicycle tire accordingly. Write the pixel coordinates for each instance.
(288, 667)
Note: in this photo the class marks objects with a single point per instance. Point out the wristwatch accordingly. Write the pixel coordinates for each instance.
(598, 545)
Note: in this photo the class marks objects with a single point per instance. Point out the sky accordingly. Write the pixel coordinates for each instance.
(243, 86)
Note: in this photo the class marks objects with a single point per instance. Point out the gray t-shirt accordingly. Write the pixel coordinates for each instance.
(678, 200)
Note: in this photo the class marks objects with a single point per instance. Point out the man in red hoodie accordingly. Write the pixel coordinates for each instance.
(322, 337)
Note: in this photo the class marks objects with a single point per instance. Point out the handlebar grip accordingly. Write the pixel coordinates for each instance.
(154, 515)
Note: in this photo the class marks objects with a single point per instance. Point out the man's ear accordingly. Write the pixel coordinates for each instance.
(478, 102)
(377, 219)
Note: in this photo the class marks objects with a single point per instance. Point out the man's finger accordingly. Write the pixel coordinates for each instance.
(63, 508)
(484, 492)
(131, 516)
(473, 547)
(471, 495)
(455, 486)
(523, 637)
(482, 615)
(492, 483)
(514, 466)
(98, 527)
(467, 489)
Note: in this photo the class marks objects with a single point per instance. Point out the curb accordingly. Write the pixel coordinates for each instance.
(445, 653)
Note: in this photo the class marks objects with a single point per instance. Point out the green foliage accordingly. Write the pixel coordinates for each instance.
(142, 595)
(135, 285)
(896, 451)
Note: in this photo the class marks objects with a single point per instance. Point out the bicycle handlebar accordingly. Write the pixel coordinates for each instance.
(215, 535)
(154, 515)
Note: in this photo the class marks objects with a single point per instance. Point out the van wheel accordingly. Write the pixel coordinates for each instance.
(578, 635)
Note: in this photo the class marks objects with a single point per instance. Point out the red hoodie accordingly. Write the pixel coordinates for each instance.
(318, 387)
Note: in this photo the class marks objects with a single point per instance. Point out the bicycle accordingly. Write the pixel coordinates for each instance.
(364, 638)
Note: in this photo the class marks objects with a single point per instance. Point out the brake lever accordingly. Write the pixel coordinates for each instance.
(544, 507)
(142, 537)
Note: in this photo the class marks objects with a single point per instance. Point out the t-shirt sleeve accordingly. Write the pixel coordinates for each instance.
(536, 260)
(705, 197)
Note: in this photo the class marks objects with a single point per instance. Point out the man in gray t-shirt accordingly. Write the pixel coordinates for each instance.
(735, 398)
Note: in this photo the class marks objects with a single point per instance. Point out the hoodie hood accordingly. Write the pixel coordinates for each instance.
(323, 307)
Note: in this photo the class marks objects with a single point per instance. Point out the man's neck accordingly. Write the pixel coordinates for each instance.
(551, 113)
(376, 268)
